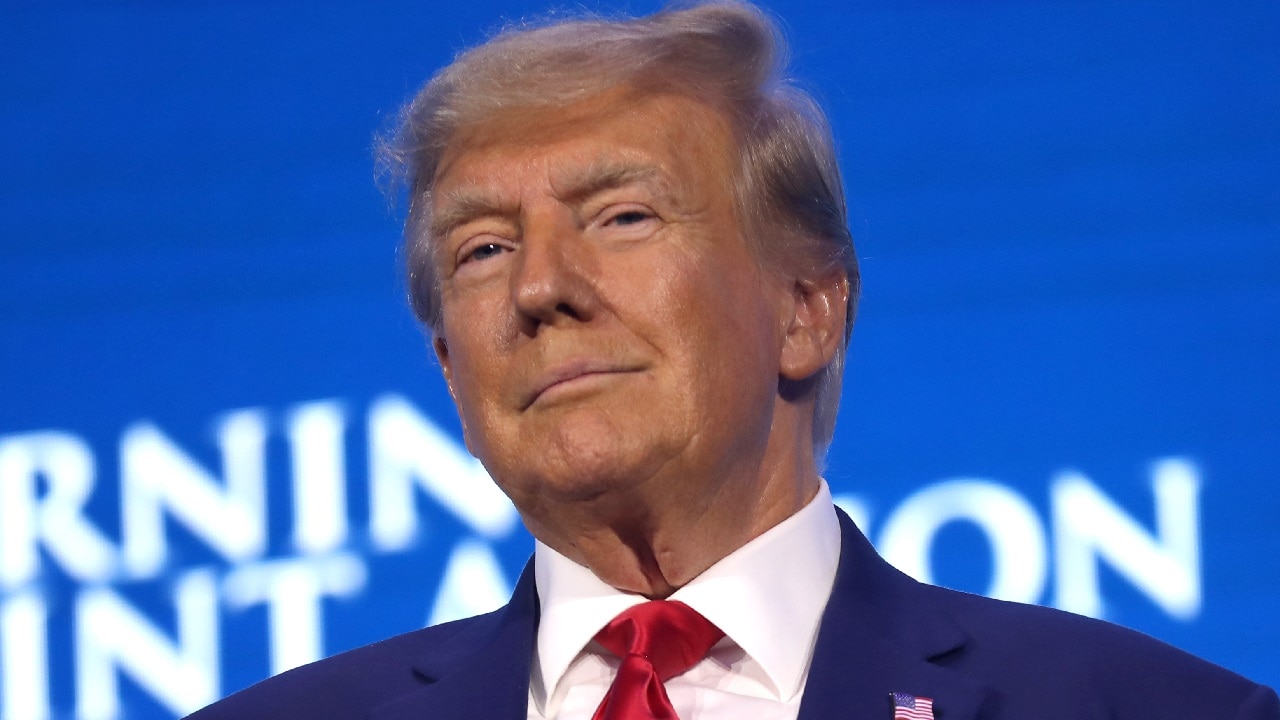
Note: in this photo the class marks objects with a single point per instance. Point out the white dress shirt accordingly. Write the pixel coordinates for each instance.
(767, 596)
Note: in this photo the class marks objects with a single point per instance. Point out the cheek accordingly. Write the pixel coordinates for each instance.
(727, 313)
(474, 335)
(715, 323)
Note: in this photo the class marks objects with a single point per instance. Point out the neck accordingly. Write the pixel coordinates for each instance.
(641, 542)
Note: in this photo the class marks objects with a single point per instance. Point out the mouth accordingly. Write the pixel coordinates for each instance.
(571, 377)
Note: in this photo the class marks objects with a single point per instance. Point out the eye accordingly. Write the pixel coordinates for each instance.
(480, 247)
(483, 251)
(629, 217)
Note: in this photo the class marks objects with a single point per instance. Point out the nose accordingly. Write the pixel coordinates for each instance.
(551, 284)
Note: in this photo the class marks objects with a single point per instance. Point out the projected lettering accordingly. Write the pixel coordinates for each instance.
(165, 496)
(1088, 529)
(195, 539)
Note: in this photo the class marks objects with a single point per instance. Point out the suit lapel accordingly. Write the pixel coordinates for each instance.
(878, 635)
(477, 677)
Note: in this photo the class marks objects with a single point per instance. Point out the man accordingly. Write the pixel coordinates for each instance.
(628, 242)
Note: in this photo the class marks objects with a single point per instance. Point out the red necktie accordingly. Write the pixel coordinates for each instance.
(657, 641)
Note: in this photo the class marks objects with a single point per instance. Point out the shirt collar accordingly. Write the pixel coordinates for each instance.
(781, 579)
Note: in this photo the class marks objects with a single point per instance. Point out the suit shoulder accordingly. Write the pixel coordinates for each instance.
(1120, 672)
(347, 684)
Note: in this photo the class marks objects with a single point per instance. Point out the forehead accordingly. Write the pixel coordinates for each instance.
(682, 140)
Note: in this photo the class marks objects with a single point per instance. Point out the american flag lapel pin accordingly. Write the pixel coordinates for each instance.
(910, 707)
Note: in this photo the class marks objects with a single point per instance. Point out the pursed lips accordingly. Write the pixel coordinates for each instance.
(568, 372)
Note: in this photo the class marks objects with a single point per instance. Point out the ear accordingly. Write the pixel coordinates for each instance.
(446, 364)
(816, 326)
(441, 346)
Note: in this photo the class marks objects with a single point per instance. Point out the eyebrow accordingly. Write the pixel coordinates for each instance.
(604, 174)
(463, 205)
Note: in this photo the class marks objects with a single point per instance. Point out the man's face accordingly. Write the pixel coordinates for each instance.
(605, 326)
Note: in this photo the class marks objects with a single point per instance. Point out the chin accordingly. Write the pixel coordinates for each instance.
(579, 488)
(585, 467)
(592, 477)
(580, 452)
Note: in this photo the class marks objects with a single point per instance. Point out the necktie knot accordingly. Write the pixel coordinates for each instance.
(669, 634)
(657, 641)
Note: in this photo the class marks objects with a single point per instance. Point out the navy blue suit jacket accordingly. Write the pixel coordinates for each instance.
(882, 632)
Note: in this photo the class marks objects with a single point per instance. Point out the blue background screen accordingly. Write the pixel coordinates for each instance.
(225, 449)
